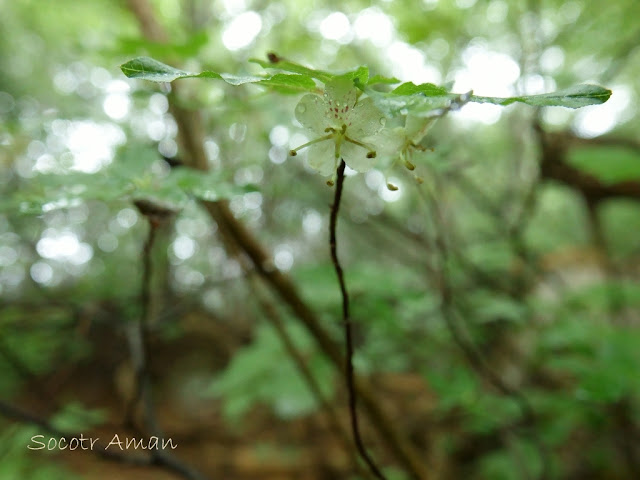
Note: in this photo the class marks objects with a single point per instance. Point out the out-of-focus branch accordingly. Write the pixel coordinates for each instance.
(139, 335)
(472, 355)
(190, 131)
(625, 51)
(156, 216)
(555, 148)
(143, 12)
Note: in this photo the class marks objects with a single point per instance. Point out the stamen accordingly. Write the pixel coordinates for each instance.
(363, 145)
(392, 187)
(331, 182)
(294, 152)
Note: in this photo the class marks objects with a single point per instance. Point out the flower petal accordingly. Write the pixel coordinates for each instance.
(321, 157)
(310, 112)
(340, 93)
(356, 157)
(388, 142)
(365, 120)
(416, 127)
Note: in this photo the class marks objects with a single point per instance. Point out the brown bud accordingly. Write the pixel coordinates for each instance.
(273, 57)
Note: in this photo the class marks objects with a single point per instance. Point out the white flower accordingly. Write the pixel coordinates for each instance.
(347, 127)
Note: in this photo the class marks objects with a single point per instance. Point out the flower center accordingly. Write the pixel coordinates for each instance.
(339, 136)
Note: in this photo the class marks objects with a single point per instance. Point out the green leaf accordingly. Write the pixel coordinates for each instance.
(286, 66)
(422, 100)
(379, 79)
(209, 186)
(147, 68)
(75, 417)
(573, 97)
(54, 191)
(427, 89)
(263, 372)
(182, 185)
(418, 104)
(129, 176)
(360, 75)
(285, 83)
(610, 164)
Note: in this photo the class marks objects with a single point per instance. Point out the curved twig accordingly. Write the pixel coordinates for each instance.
(346, 321)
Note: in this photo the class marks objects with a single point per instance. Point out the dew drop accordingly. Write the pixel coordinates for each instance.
(301, 109)
(383, 121)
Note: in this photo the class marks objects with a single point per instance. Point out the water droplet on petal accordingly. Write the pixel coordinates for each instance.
(301, 108)
(383, 121)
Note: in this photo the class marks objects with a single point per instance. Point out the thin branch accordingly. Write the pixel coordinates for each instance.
(191, 130)
(282, 285)
(346, 320)
(314, 387)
